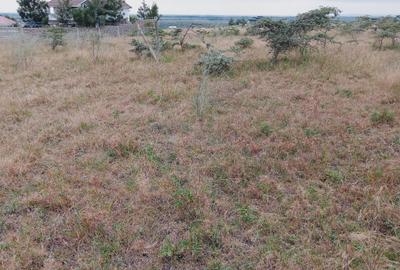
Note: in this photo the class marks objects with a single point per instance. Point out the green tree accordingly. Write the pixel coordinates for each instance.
(284, 35)
(33, 10)
(99, 12)
(56, 36)
(64, 11)
(133, 18)
(90, 15)
(113, 11)
(241, 21)
(153, 14)
(387, 28)
(145, 12)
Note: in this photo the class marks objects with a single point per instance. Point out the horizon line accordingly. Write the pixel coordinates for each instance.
(245, 15)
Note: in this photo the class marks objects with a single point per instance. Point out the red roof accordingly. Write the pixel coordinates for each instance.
(6, 21)
(78, 3)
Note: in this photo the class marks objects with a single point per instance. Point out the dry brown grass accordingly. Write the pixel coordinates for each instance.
(106, 166)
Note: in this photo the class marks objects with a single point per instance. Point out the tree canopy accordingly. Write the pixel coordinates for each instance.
(286, 35)
(64, 11)
(99, 12)
(387, 28)
(145, 12)
(33, 11)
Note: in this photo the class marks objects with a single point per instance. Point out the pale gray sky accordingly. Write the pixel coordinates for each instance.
(257, 7)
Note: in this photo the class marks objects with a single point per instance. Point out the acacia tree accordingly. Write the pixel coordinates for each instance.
(64, 11)
(284, 35)
(33, 10)
(355, 28)
(387, 28)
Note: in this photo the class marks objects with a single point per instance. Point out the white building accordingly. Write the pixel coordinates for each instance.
(53, 4)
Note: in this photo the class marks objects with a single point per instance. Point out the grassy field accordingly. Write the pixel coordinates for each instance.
(107, 165)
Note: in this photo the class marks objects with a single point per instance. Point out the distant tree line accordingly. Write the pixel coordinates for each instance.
(95, 12)
(384, 28)
(241, 21)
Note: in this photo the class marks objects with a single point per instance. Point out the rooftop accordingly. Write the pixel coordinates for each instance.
(4, 21)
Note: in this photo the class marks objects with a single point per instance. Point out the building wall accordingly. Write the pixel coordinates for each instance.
(126, 13)
(52, 14)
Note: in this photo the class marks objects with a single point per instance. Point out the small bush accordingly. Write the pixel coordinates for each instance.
(187, 46)
(385, 117)
(229, 31)
(397, 140)
(346, 93)
(244, 43)
(167, 249)
(139, 48)
(56, 36)
(247, 214)
(215, 63)
(334, 176)
(265, 129)
(310, 132)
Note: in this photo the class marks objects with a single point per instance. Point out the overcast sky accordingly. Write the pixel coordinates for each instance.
(257, 7)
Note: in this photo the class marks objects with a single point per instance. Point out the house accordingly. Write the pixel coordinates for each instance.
(53, 4)
(6, 22)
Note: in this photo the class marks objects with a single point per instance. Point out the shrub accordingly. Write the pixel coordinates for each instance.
(247, 214)
(311, 132)
(142, 49)
(228, 31)
(334, 176)
(133, 19)
(215, 63)
(397, 140)
(384, 117)
(284, 35)
(244, 43)
(167, 249)
(240, 22)
(265, 129)
(139, 48)
(353, 29)
(56, 36)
